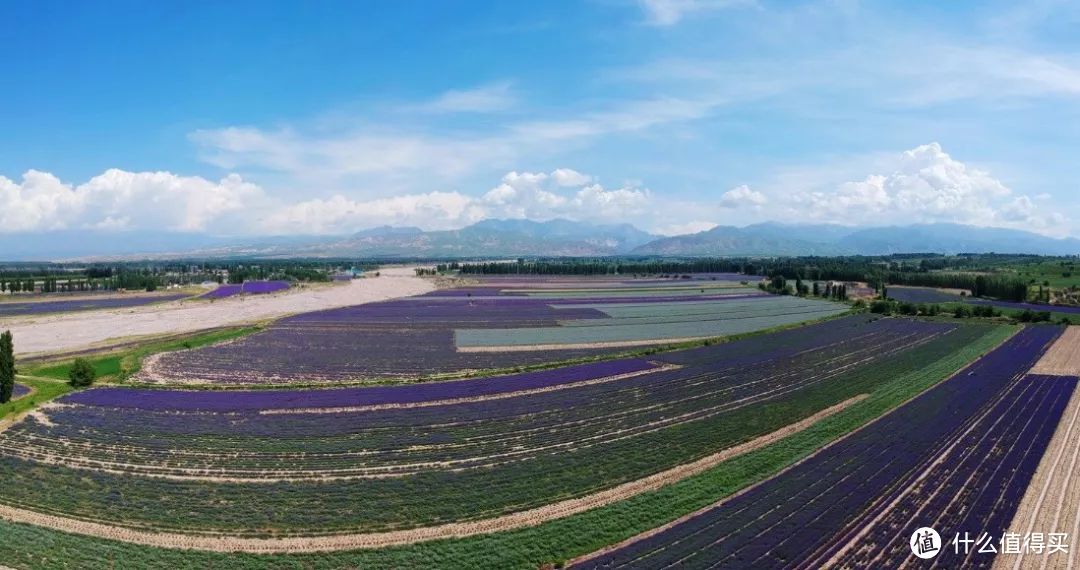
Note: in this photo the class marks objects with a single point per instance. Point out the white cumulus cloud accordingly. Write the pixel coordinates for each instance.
(570, 177)
(670, 12)
(742, 196)
(117, 199)
(926, 186)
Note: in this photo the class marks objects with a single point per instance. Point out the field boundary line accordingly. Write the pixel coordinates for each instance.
(469, 399)
(528, 518)
(577, 345)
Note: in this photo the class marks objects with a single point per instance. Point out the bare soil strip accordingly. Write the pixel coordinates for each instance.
(1052, 500)
(522, 519)
(581, 345)
(1063, 358)
(451, 401)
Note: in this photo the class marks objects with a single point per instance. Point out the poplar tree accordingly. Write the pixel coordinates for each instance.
(7, 367)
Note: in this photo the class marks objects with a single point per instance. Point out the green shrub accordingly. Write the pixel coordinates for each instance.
(82, 373)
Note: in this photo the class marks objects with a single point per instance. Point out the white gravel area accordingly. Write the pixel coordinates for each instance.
(73, 331)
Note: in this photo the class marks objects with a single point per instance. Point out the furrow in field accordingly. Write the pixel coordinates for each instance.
(522, 519)
(598, 434)
(805, 509)
(1052, 501)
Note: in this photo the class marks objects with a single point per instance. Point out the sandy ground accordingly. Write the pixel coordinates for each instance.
(62, 332)
(1052, 500)
(1063, 358)
(522, 519)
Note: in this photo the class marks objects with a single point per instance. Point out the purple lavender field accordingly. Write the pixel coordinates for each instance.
(285, 461)
(239, 401)
(19, 391)
(1036, 307)
(248, 288)
(422, 336)
(808, 514)
(21, 308)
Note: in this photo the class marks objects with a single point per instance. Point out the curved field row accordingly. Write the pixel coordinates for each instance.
(801, 515)
(658, 401)
(467, 399)
(394, 538)
(281, 400)
(534, 449)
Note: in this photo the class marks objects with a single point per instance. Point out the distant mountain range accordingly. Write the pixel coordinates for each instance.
(516, 238)
(773, 238)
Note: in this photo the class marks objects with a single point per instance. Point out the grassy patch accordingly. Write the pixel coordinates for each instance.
(44, 390)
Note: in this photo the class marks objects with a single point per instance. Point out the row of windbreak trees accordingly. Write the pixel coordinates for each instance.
(603, 267)
(999, 287)
(876, 271)
(131, 280)
(153, 275)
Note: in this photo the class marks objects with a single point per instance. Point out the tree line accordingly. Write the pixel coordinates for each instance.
(877, 272)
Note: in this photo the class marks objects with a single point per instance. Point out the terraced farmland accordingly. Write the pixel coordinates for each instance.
(307, 455)
(852, 502)
(461, 330)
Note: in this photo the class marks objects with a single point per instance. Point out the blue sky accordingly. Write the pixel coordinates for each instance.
(675, 115)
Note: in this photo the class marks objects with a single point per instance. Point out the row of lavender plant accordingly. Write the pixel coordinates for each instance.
(791, 516)
(394, 338)
(149, 419)
(978, 486)
(452, 462)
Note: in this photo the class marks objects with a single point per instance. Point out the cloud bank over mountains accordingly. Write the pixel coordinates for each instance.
(921, 185)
